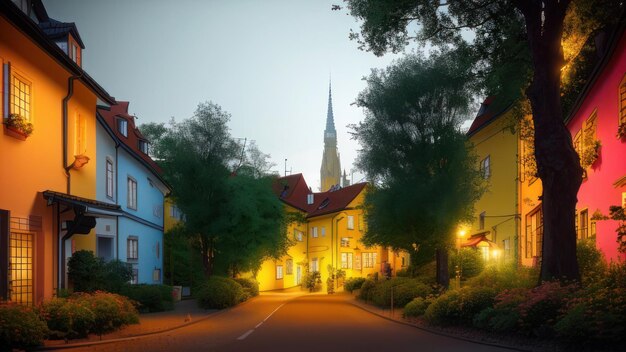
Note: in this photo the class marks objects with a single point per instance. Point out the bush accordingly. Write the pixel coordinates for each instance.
(540, 309)
(312, 281)
(220, 292)
(455, 307)
(88, 273)
(417, 307)
(469, 260)
(498, 320)
(590, 261)
(67, 319)
(367, 289)
(505, 277)
(404, 290)
(353, 283)
(250, 286)
(20, 327)
(115, 274)
(150, 298)
(111, 311)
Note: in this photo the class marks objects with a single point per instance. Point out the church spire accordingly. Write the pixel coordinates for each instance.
(330, 119)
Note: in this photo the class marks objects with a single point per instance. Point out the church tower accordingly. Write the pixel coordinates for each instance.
(330, 172)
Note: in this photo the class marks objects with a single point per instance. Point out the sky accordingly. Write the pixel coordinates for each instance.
(267, 63)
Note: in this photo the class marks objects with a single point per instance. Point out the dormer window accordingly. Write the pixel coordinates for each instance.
(143, 146)
(73, 50)
(122, 127)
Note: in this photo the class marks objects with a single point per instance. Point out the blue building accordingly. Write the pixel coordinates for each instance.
(127, 176)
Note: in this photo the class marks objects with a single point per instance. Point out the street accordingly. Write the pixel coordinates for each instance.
(294, 322)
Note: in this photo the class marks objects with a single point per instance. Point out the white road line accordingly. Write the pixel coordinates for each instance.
(245, 335)
(273, 312)
(257, 325)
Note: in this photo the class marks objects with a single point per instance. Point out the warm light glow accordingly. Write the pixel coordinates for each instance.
(462, 233)
(495, 253)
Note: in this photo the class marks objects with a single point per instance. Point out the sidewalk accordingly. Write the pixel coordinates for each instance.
(185, 313)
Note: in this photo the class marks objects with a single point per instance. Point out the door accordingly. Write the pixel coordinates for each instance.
(21, 267)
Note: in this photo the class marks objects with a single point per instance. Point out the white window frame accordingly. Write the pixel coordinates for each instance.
(350, 222)
(279, 272)
(131, 194)
(109, 178)
(132, 248)
(289, 267)
(315, 265)
(347, 259)
(345, 242)
(369, 259)
(314, 231)
(485, 167)
(122, 126)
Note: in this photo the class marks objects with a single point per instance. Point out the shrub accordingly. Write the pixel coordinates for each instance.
(505, 277)
(115, 275)
(353, 283)
(404, 290)
(84, 271)
(150, 298)
(20, 327)
(312, 281)
(250, 286)
(615, 276)
(469, 260)
(540, 309)
(460, 306)
(590, 261)
(111, 311)
(220, 292)
(367, 289)
(498, 320)
(417, 307)
(67, 319)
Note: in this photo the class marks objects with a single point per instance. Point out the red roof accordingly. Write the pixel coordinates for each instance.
(484, 115)
(293, 190)
(120, 111)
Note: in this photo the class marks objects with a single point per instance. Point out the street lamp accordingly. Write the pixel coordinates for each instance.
(460, 235)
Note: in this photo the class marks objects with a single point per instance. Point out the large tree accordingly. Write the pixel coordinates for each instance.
(494, 25)
(235, 217)
(424, 175)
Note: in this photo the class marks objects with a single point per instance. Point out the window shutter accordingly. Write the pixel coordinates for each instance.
(6, 75)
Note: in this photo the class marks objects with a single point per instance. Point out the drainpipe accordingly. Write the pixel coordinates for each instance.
(64, 108)
(117, 200)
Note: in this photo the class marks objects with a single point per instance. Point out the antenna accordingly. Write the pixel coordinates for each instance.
(285, 167)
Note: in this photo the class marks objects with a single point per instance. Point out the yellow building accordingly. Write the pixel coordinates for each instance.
(330, 237)
(495, 229)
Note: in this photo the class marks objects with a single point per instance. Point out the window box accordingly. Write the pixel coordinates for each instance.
(18, 127)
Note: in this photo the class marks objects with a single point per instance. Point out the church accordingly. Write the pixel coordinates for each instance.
(329, 238)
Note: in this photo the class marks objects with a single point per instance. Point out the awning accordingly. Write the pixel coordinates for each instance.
(476, 238)
(85, 205)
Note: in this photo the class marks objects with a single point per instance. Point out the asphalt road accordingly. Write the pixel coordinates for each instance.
(294, 322)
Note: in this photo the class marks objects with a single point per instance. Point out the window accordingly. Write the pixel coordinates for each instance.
(585, 141)
(314, 265)
(289, 267)
(345, 241)
(109, 178)
(350, 222)
(323, 229)
(122, 126)
(314, 232)
(175, 213)
(481, 220)
(369, 260)
(156, 275)
(485, 167)
(143, 146)
(135, 278)
(104, 247)
(279, 272)
(534, 233)
(298, 235)
(346, 260)
(132, 248)
(403, 261)
(132, 193)
(622, 101)
(20, 96)
(583, 228)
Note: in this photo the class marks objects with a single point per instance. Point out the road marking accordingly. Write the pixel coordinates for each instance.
(273, 312)
(257, 325)
(245, 335)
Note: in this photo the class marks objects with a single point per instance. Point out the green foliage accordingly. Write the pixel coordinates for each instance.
(20, 327)
(111, 311)
(367, 290)
(469, 260)
(505, 277)
(88, 273)
(417, 307)
(353, 283)
(590, 260)
(312, 281)
(497, 320)
(404, 291)
(182, 260)
(19, 123)
(150, 298)
(220, 292)
(250, 286)
(224, 207)
(460, 306)
(66, 318)
(423, 172)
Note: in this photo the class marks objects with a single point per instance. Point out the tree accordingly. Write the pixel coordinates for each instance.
(232, 219)
(384, 27)
(424, 175)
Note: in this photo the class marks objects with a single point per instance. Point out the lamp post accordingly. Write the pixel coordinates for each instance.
(458, 267)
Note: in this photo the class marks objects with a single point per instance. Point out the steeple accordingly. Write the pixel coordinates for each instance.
(330, 172)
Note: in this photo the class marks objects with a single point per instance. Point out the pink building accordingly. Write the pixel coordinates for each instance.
(594, 124)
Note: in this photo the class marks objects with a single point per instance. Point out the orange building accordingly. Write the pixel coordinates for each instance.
(48, 181)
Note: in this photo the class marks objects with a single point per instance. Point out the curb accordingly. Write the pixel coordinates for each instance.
(140, 335)
(433, 331)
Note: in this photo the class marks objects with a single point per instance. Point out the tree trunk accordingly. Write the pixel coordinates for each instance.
(443, 275)
(206, 247)
(558, 164)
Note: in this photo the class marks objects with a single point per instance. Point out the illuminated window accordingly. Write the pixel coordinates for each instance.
(314, 265)
(314, 232)
(289, 266)
(346, 260)
(345, 242)
(20, 98)
(350, 222)
(109, 178)
(21, 267)
(298, 235)
(369, 260)
(132, 248)
(485, 167)
(583, 228)
(534, 233)
(132, 193)
(279, 272)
